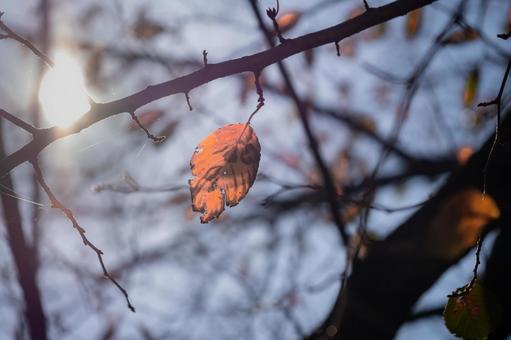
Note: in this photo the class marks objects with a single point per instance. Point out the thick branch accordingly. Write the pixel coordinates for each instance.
(24, 258)
(184, 84)
(386, 284)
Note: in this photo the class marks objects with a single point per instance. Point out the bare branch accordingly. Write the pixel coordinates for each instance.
(260, 99)
(10, 34)
(205, 57)
(272, 14)
(465, 289)
(313, 143)
(250, 63)
(187, 96)
(156, 139)
(70, 216)
(498, 102)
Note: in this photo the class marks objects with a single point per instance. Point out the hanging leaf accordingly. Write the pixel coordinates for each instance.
(225, 166)
(413, 23)
(471, 85)
(473, 315)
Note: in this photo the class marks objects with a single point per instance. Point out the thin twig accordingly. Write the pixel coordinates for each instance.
(129, 185)
(328, 182)
(272, 14)
(205, 57)
(402, 112)
(70, 216)
(498, 102)
(337, 48)
(465, 289)
(260, 99)
(156, 139)
(10, 34)
(187, 96)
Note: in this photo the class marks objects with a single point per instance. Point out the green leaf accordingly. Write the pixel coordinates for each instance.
(473, 315)
(471, 85)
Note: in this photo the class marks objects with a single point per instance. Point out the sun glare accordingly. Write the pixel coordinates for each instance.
(62, 94)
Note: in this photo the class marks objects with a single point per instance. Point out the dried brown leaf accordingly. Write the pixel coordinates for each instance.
(225, 166)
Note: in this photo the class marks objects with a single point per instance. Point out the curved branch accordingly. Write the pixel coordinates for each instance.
(184, 84)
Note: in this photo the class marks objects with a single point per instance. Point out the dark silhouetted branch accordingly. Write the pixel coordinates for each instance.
(10, 34)
(70, 216)
(184, 84)
(23, 256)
(498, 102)
(328, 182)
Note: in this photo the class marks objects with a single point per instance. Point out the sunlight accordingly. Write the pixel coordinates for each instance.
(62, 94)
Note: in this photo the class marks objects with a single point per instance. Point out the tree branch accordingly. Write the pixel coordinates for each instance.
(24, 258)
(10, 34)
(498, 102)
(18, 122)
(328, 182)
(70, 216)
(386, 284)
(184, 84)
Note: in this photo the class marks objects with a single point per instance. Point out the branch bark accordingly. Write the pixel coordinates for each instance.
(252, 63)
(24, 258)
(385, 285)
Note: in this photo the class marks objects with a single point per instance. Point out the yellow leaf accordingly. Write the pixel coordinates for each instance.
(459, 221)
(471, 85)
(225, 166)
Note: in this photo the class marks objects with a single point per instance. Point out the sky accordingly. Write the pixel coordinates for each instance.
(230, 278)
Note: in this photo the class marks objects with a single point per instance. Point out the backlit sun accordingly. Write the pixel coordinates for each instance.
(62, 94)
